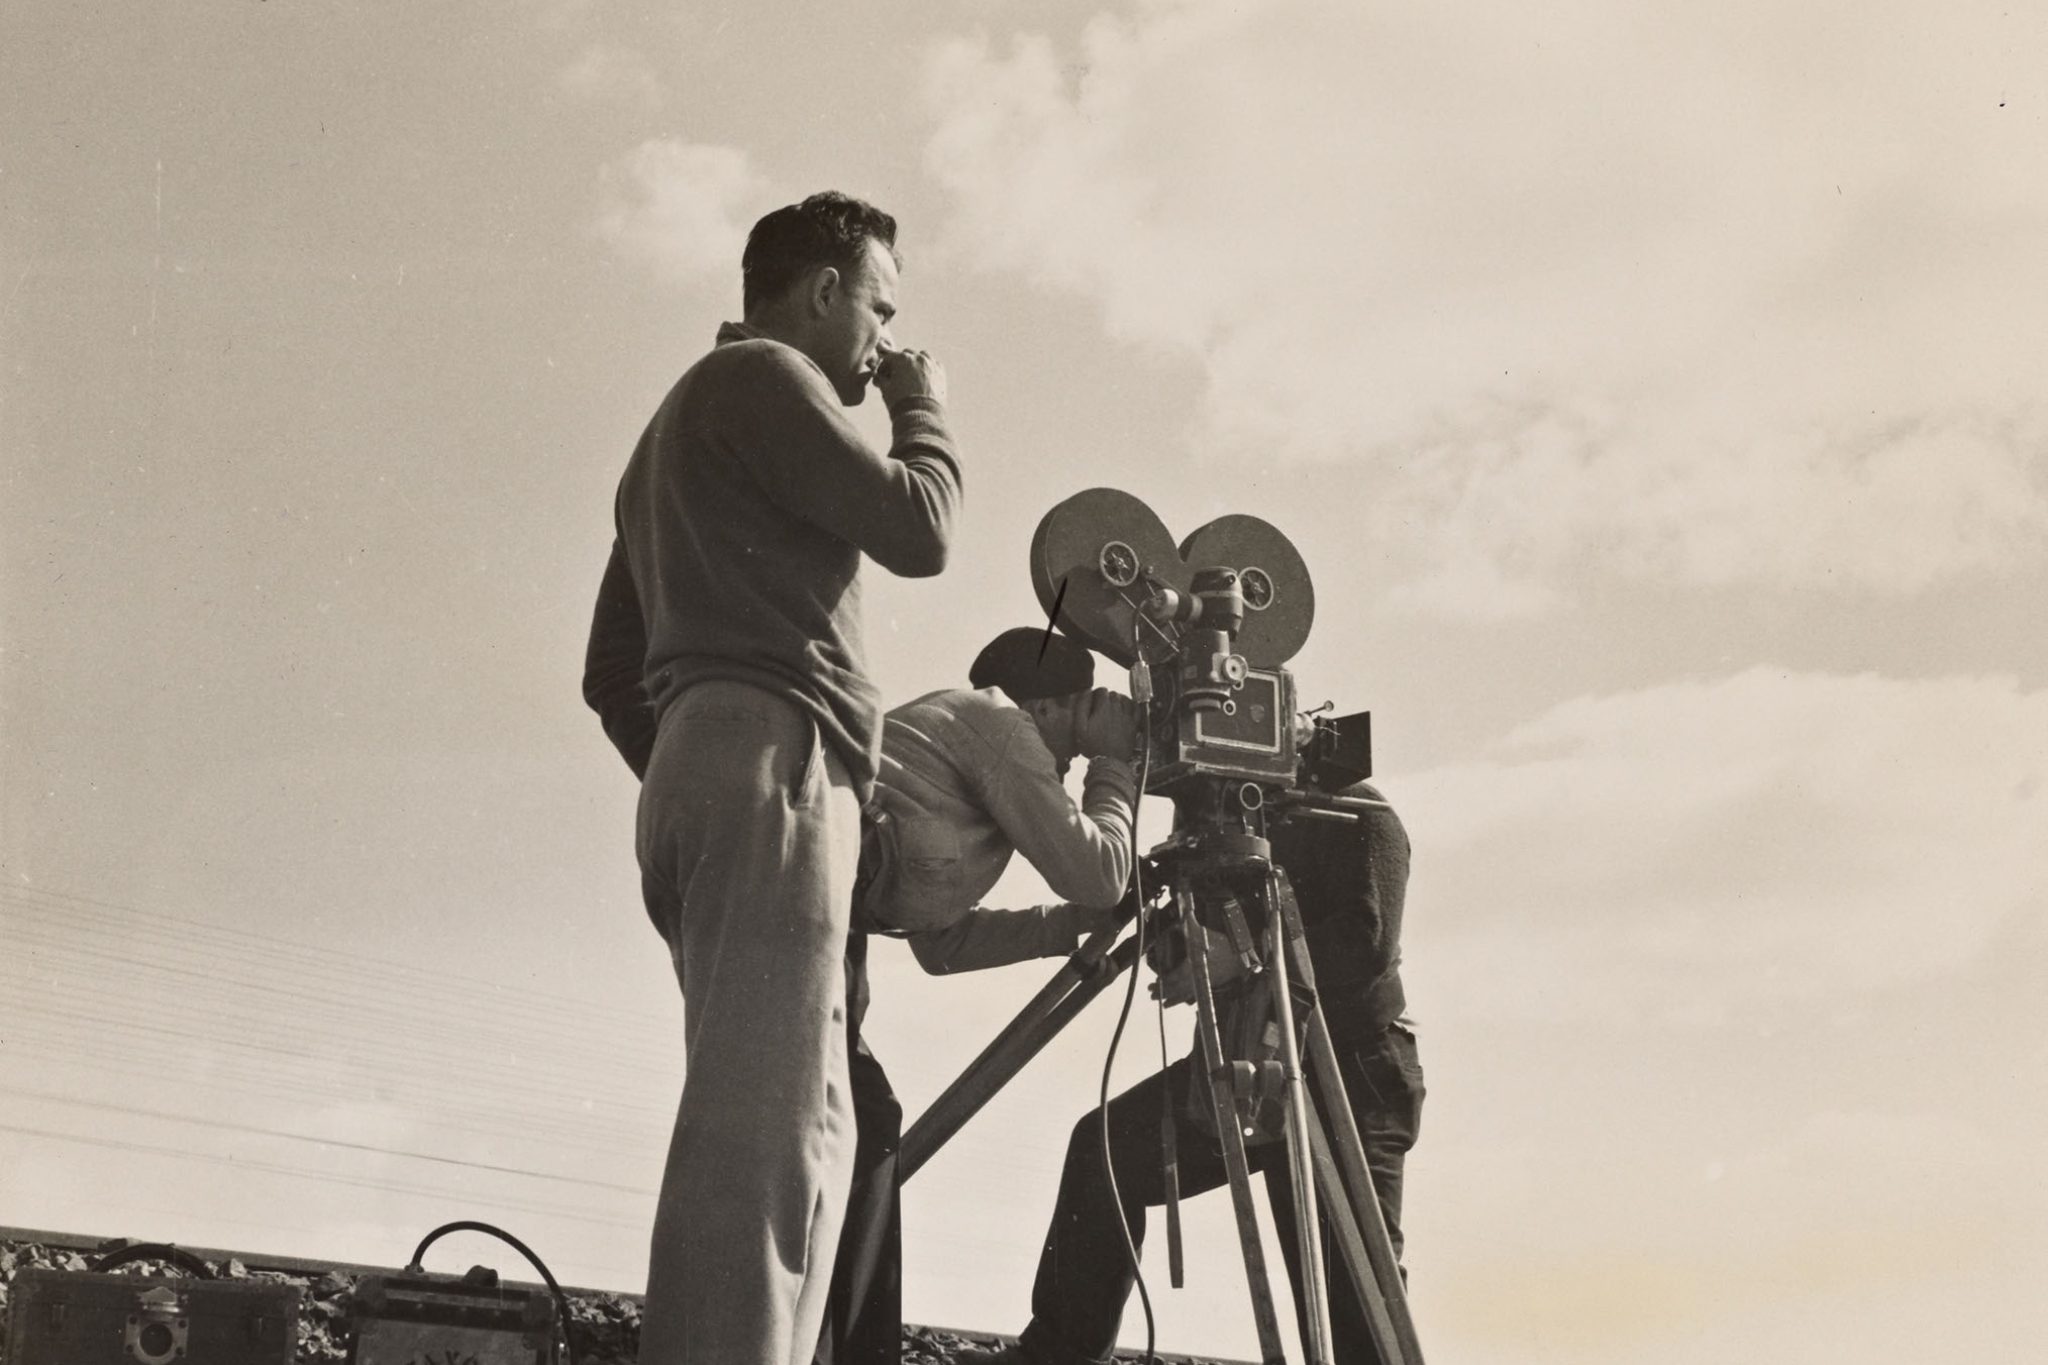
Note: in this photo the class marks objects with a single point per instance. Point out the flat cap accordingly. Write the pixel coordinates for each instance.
(1027, 665)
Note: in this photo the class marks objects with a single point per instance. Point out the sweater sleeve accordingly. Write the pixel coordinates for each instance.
(996, 938)
(898, 508)
(1083, 853)
(613, 663)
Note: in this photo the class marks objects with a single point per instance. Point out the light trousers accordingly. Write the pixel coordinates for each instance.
(748, 839)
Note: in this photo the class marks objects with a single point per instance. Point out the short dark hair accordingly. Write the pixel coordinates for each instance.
(826, 229)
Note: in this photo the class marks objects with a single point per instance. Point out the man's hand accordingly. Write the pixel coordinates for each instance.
(909, 374)
(1176, 987)
(1108, 726)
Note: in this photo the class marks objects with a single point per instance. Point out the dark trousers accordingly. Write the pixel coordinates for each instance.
(1084, 1276)
(864, 1314)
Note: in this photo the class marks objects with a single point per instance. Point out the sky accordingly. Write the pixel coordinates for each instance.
(1651, 390)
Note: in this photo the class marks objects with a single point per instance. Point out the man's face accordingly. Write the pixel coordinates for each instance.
(1058, 725)
(854, 324)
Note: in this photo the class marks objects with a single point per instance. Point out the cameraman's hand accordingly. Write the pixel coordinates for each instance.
(1108, 726)
(1176, 987)
(1129, 907)
(909, 374)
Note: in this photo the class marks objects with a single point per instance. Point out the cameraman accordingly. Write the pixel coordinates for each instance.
(969, 776)
(1350, 880)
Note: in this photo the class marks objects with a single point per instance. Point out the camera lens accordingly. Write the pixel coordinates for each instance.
(155, 1342)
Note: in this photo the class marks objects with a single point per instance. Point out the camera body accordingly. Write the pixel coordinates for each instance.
(1206, 627)
(1218, 714)
(1247, 736)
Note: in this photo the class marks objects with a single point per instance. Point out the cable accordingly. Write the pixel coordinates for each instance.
(1116, 1198)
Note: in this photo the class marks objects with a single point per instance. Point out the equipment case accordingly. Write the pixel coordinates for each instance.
(410, 1318)
(83, 1317)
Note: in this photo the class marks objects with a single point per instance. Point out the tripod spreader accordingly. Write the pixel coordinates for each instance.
(1093, 966)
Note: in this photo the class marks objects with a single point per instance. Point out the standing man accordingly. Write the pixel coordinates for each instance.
(1350, 881)
(727, 665)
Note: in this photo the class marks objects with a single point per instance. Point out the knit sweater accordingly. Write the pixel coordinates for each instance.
(1351, 881)
(966, 780)
(741, 520)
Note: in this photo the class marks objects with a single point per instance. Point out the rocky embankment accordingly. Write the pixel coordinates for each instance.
(604, 1329)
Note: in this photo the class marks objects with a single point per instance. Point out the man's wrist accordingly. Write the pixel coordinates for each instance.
(1108, 768)
(1081, 921)
(914, 403)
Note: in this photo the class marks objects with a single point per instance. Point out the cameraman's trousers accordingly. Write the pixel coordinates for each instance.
(864, 1320)
(1084, 1276)
(748, 840)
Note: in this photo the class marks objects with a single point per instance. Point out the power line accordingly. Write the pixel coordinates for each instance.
(224, 1124)
(377, 1058)
(338, 965)
(357, 1005)
(308, 1173)
(151, 1057)
(367, 1039)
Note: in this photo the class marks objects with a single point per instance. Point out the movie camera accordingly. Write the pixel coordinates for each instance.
(1206, 627)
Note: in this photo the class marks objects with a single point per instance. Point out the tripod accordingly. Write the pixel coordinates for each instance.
(1223, 880)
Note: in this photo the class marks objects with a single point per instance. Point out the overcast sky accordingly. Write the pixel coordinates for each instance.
(1653, 392)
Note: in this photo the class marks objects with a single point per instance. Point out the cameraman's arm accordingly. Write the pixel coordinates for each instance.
(1083, 853)
(996, 938)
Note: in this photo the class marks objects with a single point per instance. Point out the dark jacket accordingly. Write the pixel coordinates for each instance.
(1351, 881)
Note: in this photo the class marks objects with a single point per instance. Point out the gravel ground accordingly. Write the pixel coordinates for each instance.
(604, 1329)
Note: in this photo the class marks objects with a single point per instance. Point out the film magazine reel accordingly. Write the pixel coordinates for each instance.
(1205, 627)
(1098, 559)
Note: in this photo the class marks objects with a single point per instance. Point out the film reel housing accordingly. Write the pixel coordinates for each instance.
(1206, 624)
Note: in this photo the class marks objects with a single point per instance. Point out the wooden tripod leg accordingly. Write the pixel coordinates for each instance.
(1365, 1204)
(1313, 1286)
(1169, 1155)
(1350, 1148)
(1231, 1137)
(1077, 982)
(1351, 1248)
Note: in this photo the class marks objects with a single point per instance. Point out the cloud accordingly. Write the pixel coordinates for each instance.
(1689, 850)
(683, 208)
(1516, 496)
(1733, 295)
